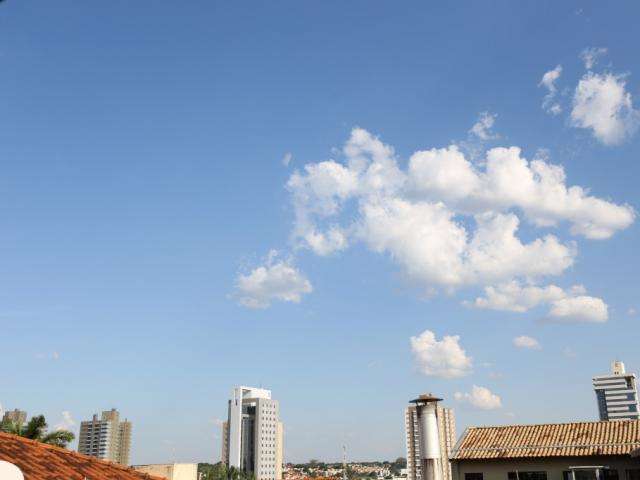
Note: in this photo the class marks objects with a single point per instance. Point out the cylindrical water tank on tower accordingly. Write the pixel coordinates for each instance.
(430, 449)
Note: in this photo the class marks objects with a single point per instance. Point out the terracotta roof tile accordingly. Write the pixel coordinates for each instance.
(45, 462)
(549, 440)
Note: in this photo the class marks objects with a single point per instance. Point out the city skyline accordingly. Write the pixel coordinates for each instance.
(347, 202)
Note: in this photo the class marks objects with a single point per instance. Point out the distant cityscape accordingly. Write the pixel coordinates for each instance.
(253, 443)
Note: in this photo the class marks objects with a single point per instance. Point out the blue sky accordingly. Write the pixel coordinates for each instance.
(143, 187)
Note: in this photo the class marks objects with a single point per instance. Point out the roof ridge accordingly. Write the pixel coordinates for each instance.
(584, 422)
(73, 453)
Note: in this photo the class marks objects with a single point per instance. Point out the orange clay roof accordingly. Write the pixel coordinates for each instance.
(45, 462)
(549, 440)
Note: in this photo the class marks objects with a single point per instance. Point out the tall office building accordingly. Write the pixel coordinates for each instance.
(617, 394)
(15, 416)
(107, 437)
(431, 435)
(252, 435)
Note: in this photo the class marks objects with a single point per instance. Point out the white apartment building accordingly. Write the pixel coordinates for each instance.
(617, 394)
(253, 434)
(431, 436)
(107, 437)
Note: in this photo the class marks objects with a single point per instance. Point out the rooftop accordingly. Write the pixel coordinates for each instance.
(549, 440)
(45, 462)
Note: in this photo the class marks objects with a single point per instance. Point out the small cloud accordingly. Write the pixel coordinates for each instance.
(440, 358)
(602, 104)
(495, 375)
(482, 128)
(632, 312)
(47, 356)
(569, 352)
(579, 309)
(590, 56)
(509, 414)
(275, 280)
(523, 341)
(548, 81)
(218, 422)
(480, 397)
(286, 160)
(67, 422)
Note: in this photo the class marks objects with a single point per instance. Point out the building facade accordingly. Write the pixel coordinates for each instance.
(252, 435)
(617, 394)
(106, 437)
(170, 471)
(430, 438)
(15, 416)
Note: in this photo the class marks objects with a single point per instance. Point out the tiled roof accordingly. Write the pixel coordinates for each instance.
(45, 462)
(549, 440)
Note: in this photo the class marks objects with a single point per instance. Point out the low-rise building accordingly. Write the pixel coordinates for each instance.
(170, 471)
(566, 451)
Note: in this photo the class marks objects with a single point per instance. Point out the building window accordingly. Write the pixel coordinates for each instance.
(527, 476)
(473, 476)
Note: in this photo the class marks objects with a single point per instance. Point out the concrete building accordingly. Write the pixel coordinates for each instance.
(170, 471)
(431, 436)
(617, 394)
(15, 416)
(567, 451)
(107, 437)
(253, 434)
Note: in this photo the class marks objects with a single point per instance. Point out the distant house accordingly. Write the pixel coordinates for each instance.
(45, 462)
(170, 471)
(566, 451)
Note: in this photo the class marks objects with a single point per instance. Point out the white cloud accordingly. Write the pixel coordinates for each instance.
(218, 422)
(482, 128)
(632, 312)
(334, 240)
(446, 221)
(286, 160)
(524, 341)
(579, 309)
(514, 297)
(480, 397)
(444, 358)
(276, 280)
(602, 104)
(67, 422)
(509, 181)
(570, 305)
(548, 81)
(590, 56)
(569, 352)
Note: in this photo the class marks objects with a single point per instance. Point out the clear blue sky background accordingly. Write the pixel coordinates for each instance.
(141, 146)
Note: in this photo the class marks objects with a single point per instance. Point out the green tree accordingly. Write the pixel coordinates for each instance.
(36, 429)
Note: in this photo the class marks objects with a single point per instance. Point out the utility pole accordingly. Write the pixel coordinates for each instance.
(344, 462)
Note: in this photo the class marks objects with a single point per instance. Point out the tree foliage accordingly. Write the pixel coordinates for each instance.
(36, 429)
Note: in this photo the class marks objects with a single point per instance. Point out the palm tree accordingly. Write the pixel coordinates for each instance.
(36, 429)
